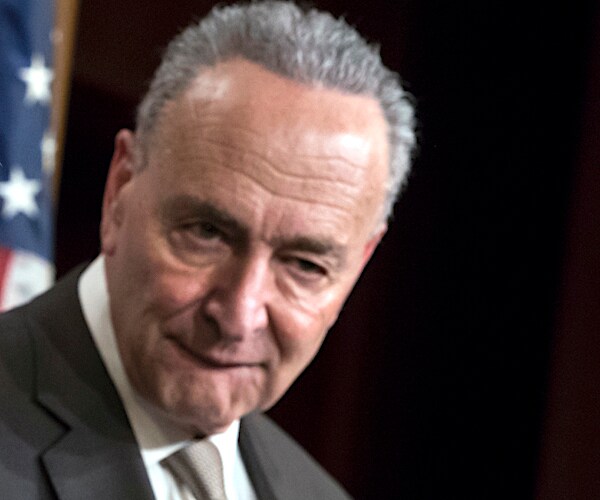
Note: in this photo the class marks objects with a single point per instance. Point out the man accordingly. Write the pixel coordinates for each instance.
(236, 219)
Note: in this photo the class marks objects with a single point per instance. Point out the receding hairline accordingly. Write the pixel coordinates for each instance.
(195, 85)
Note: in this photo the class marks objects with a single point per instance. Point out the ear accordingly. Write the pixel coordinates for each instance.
(372, 243)
(119, 174)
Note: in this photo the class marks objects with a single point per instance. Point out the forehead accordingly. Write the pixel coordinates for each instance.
(241, 123)
(246, 93)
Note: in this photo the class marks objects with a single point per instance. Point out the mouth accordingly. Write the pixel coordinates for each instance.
(209, 360)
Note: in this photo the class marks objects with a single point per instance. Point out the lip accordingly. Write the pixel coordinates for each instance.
(210, 361)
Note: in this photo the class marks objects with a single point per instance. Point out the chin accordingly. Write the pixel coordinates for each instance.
(206, 418)
(204, 404)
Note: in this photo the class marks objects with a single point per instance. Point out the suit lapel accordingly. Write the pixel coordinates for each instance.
(97, 456)
(261, 466)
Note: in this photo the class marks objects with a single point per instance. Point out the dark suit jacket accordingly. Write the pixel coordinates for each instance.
(63, 430)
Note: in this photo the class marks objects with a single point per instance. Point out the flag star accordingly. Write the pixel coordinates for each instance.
(38, 79)
(48, 146)
(19, 194)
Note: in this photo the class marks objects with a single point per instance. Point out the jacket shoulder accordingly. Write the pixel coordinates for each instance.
(274, 458)
(17, 345)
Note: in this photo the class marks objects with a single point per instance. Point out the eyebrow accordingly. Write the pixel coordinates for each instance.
(188, 206)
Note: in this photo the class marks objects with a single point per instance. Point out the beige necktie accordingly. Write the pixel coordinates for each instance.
(199, 467)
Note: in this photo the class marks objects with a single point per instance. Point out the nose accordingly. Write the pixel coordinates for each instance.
(238, 301)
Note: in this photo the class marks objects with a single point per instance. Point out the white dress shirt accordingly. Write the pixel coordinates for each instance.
(156, 437)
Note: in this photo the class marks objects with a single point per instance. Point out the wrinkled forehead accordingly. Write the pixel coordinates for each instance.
(255, 94)
(243, 106)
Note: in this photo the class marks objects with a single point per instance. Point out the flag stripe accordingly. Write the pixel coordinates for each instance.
(5, 260)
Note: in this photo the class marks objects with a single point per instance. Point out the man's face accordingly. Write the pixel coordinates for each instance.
(231, 253)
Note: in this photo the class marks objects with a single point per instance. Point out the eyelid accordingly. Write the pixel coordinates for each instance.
(316, 267)
(201, 234)
(319, 271)
(203, 225)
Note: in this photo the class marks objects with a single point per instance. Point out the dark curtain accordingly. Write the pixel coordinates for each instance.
(570, 458)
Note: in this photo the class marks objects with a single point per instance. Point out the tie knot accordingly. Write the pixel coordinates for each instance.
(200, 468)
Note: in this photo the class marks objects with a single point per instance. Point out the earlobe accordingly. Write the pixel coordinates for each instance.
(119, 174)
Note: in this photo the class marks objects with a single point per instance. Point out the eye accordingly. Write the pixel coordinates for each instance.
(201, 230)
(205, 230)
(305, 270)
(198, 236)
(309, 267)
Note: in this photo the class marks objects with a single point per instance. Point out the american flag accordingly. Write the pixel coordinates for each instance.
(26, 150)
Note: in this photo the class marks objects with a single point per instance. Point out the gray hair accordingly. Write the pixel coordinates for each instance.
(309, 46)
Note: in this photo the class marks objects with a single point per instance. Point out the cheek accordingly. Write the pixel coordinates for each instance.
(159, 283)
(171, 292)
(308, 327)
(300, 331)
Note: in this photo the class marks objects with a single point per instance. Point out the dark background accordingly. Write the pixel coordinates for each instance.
(437, 381)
